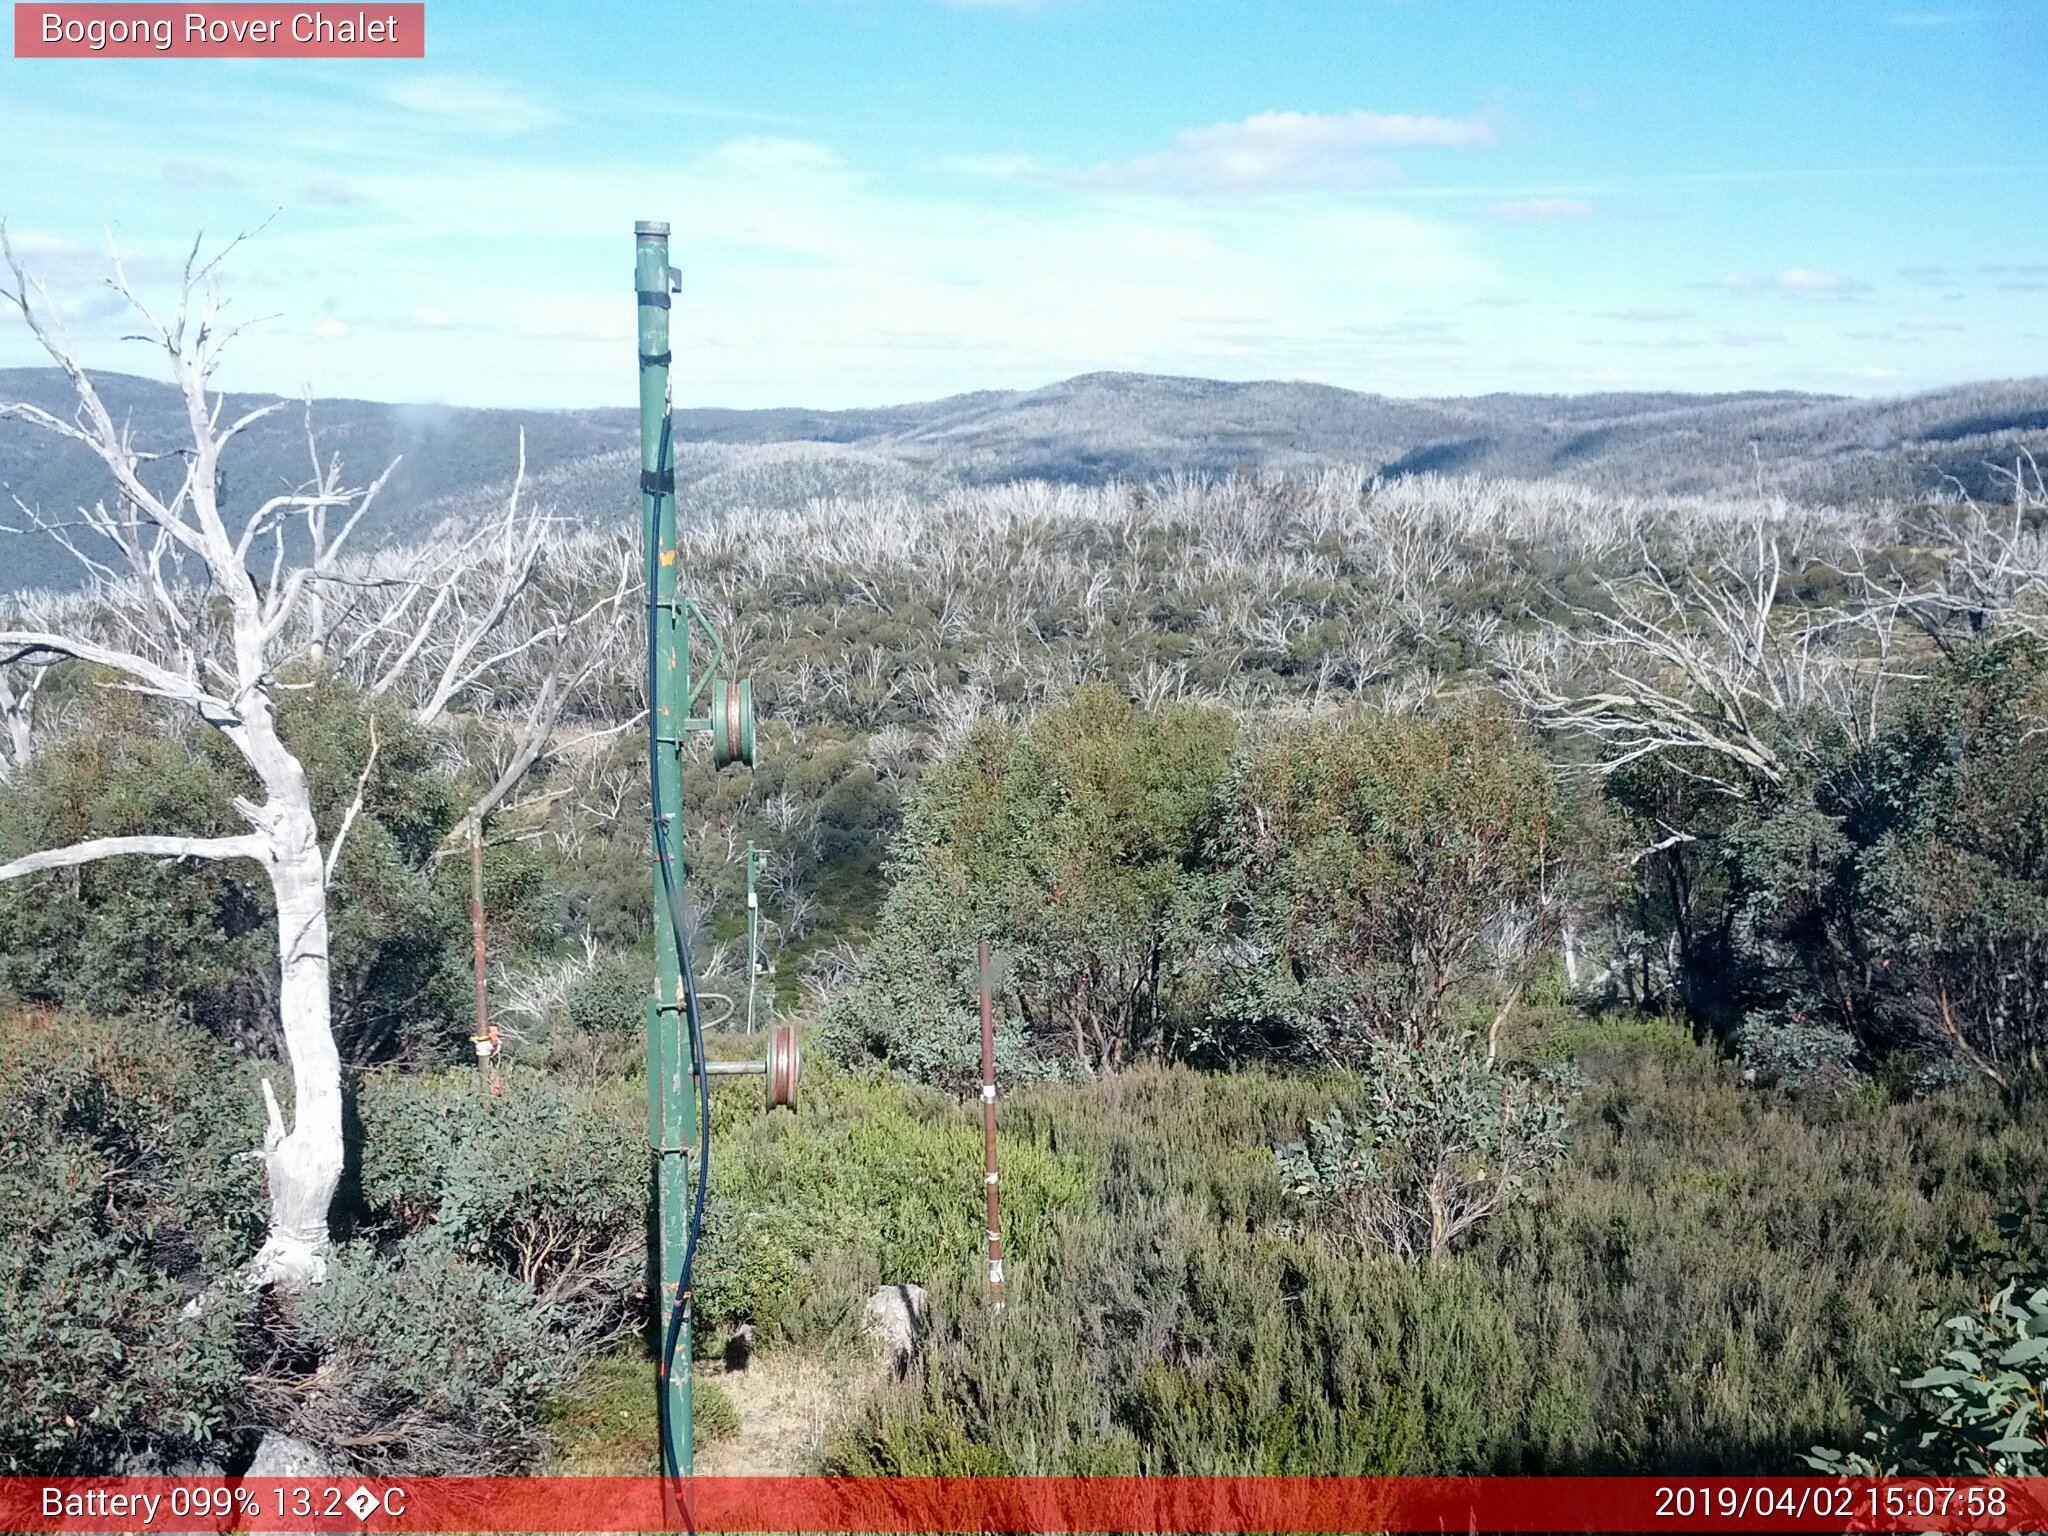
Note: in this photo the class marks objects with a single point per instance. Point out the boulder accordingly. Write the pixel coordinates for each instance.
(895, 1320)
(285, 1456)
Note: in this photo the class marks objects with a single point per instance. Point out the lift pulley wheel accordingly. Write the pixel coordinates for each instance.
(785, 1066)
(732, 722)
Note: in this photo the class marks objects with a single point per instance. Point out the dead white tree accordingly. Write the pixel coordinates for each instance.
(1704, 666)
(19, 689)
(196, 628)
(1994, 565)
(184, 607)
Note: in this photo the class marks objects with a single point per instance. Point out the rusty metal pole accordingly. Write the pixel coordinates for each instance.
(486, 1037)
(476, 927)
(988, 1128)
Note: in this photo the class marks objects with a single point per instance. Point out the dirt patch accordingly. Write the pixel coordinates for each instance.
(787, 1403)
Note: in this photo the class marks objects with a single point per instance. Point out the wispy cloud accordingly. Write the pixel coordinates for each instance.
(472, 105)
(332, 191)
(1533, 210)
(1796, 283)
(1284, 151)
(53, 257)
(191, 173)
(1645, 316)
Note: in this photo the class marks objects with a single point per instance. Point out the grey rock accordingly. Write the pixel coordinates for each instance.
(285, 1456)
(895, 1319)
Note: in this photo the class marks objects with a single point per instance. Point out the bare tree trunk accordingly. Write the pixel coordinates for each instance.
(1500, 1019)
(16, 706)
(304, 1163)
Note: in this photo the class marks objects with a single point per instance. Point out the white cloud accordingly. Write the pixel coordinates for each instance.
(1531, 210)
(1646, 316)
(472, 105)
(53, 259)
(812, 279)
(1283, 151)
(768, 155)
(330, 330)
(191, 173)
(332, 191)
(1797, 283)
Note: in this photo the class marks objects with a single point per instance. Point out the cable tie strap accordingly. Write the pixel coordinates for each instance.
(656, 359)
(657, 482)
(653, 298)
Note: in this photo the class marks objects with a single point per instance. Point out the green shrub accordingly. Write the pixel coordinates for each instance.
(610, 997)
(545, 1181)
(1974, 1406)
(1791, 1048)
(124, 1197)
(1709, 1282)
(1437, 1141)
(1073, 845)
(872, 1181)
(1152, 896)
(1365, 864)
(422, 1363)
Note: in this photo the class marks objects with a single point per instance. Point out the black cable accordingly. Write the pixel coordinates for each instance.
(671, 1335)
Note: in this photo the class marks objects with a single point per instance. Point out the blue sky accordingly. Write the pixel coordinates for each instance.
(880, 200)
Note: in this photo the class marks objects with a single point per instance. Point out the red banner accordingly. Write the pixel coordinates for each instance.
(372, 30)
(1161, 1504)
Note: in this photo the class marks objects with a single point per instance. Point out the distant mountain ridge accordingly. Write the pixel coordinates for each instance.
(1087, 429)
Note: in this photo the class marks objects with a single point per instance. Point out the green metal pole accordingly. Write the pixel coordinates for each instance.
(671, 1096)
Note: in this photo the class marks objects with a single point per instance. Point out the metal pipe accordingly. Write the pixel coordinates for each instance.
(736, 1068)
(671, 1099)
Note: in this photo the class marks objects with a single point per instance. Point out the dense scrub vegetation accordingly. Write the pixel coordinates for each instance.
(1711, 1280)
(1443, 1038)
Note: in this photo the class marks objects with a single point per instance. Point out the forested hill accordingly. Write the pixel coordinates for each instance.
(1088, 429)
